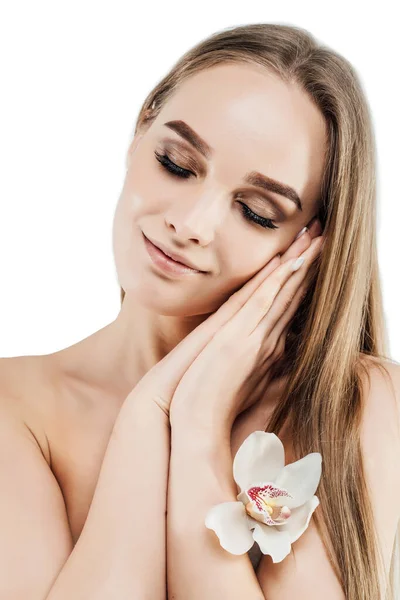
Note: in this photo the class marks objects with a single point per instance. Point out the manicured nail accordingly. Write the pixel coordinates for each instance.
(301, 232)
(297, 263)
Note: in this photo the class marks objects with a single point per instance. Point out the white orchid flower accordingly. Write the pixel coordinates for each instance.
(275, 502)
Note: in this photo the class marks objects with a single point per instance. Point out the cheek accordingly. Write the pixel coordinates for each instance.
(243, 260)
(143, 191)
(126, 211)
(124, 232)
(246, 257)
(120, 238)
(137, 198)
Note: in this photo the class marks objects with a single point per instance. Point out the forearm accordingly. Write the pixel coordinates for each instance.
(121, 552)
(198, 568)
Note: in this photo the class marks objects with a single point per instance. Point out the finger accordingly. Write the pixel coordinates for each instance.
(314, 229)
(297, 247)
(281, 307)
(282, 325)
(245, 321)
(182, 356)
(241, 296)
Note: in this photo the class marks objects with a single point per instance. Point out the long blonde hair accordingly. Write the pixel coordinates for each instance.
(342, 314)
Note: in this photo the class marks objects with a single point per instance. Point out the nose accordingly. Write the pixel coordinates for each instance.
(196, 218)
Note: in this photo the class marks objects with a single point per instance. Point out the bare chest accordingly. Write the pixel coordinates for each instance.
(74, 430)
(78, 445)
(78, 437)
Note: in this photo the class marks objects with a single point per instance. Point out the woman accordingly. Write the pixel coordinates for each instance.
(109, 470)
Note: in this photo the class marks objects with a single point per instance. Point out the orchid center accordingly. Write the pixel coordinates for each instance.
(265, 504)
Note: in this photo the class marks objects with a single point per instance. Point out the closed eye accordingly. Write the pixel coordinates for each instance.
(182, 173)
(173, 168)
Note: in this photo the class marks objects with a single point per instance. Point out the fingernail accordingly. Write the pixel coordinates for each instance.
(297, 263)
(301, 232)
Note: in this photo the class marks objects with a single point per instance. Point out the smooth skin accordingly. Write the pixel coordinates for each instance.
(196, 386)
(126, 529)
(253, 122)
(222, 351)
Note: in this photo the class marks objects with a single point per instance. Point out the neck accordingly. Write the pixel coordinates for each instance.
(112, 360)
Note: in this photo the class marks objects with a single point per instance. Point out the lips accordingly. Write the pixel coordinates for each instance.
(166, 265)
(176, 257)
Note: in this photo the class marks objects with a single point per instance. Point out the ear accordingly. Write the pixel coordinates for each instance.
(132, 149)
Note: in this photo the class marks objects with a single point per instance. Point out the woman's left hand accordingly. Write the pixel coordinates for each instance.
(211, 394)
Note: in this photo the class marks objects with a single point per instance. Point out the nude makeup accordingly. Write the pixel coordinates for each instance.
(165, 263)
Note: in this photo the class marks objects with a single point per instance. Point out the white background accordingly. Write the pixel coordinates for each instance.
(73, 77)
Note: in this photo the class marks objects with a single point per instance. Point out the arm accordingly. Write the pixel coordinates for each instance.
(200, 476)
(121, 550)
(200, 470)
(307, 573)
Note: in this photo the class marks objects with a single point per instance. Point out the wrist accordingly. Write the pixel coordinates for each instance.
(205, 435)
(140, 405)
(205, 451)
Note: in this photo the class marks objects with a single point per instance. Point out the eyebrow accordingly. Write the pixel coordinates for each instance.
(253, 177)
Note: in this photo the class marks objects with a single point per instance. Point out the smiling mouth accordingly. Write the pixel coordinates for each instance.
(167, 264)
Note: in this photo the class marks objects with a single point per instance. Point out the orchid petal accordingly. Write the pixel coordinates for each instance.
(299, 520)
(260, 458)
(231, 524)
(300, 479)
(272, 541)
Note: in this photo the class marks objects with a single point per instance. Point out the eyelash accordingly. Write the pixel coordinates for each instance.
(248, 214)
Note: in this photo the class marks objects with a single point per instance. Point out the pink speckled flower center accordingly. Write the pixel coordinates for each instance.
(262, 505)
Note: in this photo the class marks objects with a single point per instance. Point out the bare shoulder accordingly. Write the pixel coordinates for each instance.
(380, 447)
(380, 383)
(23, 395)
(380, 423)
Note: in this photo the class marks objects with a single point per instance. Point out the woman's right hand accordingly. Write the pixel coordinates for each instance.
(161, 381)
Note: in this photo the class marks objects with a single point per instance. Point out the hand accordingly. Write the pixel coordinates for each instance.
(160, 383)
(211, 392)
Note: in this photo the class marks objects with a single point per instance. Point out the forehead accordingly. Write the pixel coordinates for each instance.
(257, 121)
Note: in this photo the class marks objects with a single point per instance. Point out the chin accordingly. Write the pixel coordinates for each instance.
(171, 304)
(162, 298)
(159, 294)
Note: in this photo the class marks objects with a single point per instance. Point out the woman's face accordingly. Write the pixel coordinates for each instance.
(249, 121)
